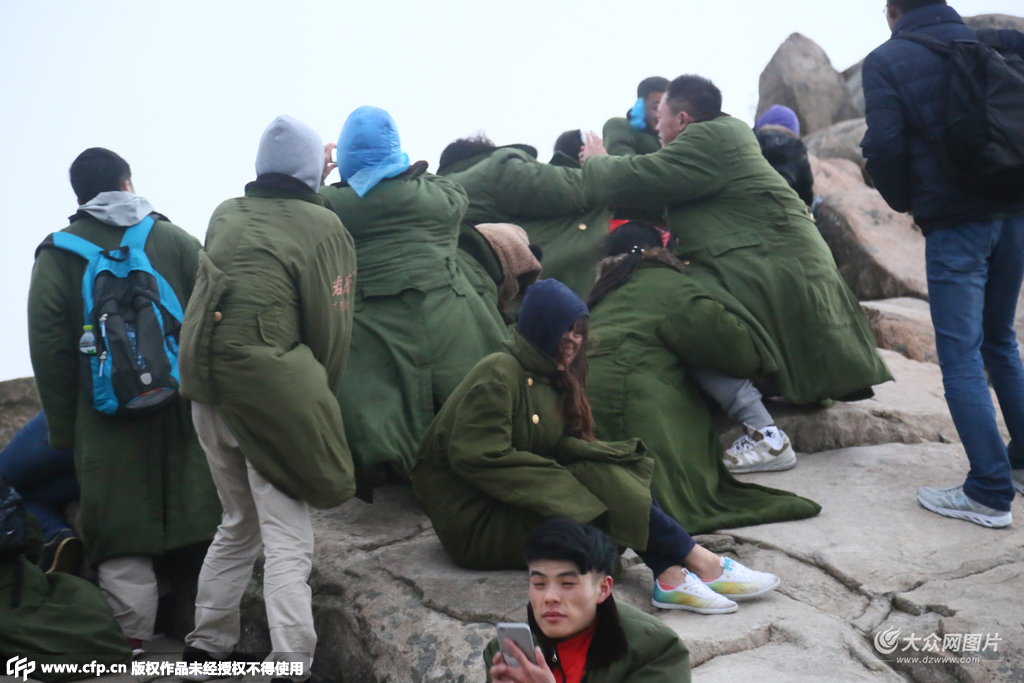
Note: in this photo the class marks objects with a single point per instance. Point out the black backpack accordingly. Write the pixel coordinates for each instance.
(982, 144)
(14, 538)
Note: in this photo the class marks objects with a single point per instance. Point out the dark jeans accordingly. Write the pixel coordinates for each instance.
(974, 280)
(43, 477)
(668, 544)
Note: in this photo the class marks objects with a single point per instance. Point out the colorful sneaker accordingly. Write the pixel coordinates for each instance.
(693, 596)
(760, 450)
(739, 583)
(1018, 480)
(955, 503)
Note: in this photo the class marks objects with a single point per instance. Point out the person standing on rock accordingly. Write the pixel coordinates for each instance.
(263, 349)
(750, 243)
(580, 629)
(514, 446)
(145, 485)
(419, 324)
(974, 253)
(637, 132)
(778, 133)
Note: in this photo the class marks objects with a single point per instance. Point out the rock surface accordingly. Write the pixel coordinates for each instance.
(841, 141)
(997, 21)
(855, 84)
(801, 77)
(19, 403)
(903, 325)
(880, 253)
(832, 176)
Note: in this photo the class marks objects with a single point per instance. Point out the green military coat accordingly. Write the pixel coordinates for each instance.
(621, 139)
(748, 237)
(279, 269)
(509, 185)
(420, 326)
(482, 267)
(647, 332)
(628, 646)
(146, 486)
(496, 462)
(60, 619)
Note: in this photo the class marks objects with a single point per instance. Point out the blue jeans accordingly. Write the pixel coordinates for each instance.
(668, 544)
(43, 477)
(974, 279)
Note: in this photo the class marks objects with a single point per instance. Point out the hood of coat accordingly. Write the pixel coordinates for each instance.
(518, 263)
(290, 147)
(608, 645)
(120, 209)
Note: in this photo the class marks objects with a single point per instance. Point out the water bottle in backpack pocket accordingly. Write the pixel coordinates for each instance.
(129, 342)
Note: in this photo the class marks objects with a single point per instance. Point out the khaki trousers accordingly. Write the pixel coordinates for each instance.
(255, 514)
(129, 585)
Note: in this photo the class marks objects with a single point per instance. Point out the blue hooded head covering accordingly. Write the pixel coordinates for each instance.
(549, 310)
(369, 149)
(638, 114)
(779, 115)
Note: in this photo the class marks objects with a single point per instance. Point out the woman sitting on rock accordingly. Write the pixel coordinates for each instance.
(655, 324)
(419, 325)
(514, 446)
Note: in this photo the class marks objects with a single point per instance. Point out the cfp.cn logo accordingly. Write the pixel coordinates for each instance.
(20, 666)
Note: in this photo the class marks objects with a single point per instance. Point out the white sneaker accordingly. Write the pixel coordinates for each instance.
(760, 450)
(740, 583)
(693, 596)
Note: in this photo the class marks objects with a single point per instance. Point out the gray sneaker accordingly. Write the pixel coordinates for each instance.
(1018, 480)
(955, 503)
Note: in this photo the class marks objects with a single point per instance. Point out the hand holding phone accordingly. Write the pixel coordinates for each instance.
(521, 636)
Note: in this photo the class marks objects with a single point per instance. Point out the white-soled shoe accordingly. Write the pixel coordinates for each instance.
(693, 595)
(760, 450)
(740, 583)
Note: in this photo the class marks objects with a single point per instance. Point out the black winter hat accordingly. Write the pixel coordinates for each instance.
(549, 310)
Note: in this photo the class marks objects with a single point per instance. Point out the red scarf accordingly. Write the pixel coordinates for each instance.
(572, 655)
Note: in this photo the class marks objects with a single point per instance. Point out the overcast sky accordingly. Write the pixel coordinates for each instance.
(183, 90)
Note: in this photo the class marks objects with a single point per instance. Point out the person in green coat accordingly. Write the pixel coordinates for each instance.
(580, 631)
(514, 446)
(655, 323)
(50, 618)
(637, 133)
(501, 264)
(508, 185)
(145, 485)
(263, 350)
(419, 324)
(748, 239)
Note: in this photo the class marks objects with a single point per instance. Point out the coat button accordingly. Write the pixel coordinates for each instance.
(217, 317)
(536, 419)
(583, 226)
(529, 381)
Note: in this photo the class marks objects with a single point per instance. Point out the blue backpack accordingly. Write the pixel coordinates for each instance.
(129, 343)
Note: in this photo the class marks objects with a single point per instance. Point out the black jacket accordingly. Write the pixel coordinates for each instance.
(905, 90)
(788, 155)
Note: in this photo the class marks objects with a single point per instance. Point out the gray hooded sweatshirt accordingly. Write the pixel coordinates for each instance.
(120, 209)
(291, 147)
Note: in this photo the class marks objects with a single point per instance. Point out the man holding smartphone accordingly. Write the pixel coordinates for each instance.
(576, 624)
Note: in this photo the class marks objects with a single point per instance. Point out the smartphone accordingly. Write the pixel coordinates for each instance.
(521, 636)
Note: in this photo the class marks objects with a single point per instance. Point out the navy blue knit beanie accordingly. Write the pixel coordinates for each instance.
(549, 310)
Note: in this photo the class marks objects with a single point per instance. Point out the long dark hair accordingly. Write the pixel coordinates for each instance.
(628, 247)
(571, 385)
